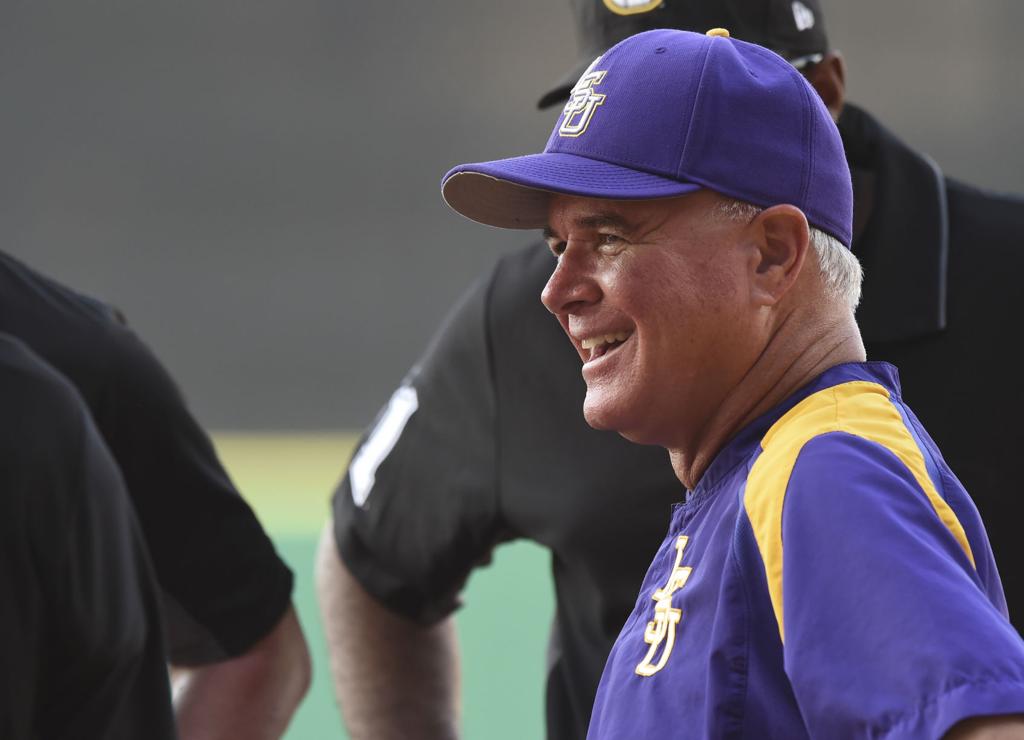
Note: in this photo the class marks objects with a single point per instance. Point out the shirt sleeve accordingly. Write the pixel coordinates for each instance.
(223, 585)
(888, 628)
(417, 508)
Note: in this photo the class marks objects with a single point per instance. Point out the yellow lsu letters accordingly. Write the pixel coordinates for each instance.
(663, 628)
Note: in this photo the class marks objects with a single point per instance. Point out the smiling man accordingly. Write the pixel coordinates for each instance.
(827, 575)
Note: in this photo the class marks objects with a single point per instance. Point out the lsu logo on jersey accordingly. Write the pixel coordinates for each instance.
(631, 7)
(583, 103)
(661, 631)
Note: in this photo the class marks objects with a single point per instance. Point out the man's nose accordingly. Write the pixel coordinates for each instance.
(571, 286)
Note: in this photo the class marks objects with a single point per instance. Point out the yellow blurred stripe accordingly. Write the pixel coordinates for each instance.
(286, 477)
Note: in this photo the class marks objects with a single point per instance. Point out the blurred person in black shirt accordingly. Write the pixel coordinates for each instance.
(240, 658)
(485, 441)
(82, 645)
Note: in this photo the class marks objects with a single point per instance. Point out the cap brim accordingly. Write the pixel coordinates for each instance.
(515, 193)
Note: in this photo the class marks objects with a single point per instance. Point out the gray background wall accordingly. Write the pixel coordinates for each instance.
(256, 183)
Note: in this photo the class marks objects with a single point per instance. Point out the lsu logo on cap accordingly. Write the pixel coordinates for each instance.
(631, 7)
(583, 102)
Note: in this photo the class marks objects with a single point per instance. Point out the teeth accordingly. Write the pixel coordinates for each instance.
(592, 342)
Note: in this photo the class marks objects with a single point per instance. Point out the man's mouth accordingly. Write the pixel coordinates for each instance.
(602, 344)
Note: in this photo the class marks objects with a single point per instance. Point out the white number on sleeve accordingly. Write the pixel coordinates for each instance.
(363, 470)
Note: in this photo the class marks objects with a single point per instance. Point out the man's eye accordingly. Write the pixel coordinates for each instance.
(611, 241)
(557, 248)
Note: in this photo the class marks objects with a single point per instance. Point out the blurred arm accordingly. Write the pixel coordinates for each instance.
(394, 679)
(1006, 727)
(253, 695)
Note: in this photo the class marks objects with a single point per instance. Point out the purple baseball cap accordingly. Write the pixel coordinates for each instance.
(665, 113)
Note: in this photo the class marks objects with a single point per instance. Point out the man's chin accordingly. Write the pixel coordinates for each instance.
(618, 416)
(597, 420)
(606, 416)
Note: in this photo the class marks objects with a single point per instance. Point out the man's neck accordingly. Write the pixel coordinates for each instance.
(789, 362)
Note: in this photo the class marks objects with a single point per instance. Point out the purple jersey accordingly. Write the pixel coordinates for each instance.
(828, 577)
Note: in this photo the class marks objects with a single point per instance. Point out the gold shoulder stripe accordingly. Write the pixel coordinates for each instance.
(860, 408)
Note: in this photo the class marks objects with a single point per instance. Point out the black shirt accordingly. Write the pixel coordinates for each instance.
(81, 645)
(495, 447)
(223, 585)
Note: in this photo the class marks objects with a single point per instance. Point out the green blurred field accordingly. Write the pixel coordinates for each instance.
(503, 626)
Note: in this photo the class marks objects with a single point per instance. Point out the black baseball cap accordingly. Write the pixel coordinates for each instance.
(793, 29)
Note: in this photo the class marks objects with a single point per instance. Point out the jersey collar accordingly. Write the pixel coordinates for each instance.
(740, 449)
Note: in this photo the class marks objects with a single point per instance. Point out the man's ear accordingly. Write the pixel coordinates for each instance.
(828, 78)
(781, 239)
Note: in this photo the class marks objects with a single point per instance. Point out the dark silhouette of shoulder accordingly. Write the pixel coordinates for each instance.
(227, 588)
(81, 634)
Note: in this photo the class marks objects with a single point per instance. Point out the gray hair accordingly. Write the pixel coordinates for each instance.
(840, 269)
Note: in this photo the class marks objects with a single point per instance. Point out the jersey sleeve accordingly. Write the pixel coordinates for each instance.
(888, 630)
(223, 585)
(417, 507)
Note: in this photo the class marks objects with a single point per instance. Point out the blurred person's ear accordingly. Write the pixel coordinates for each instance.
(828, 77)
